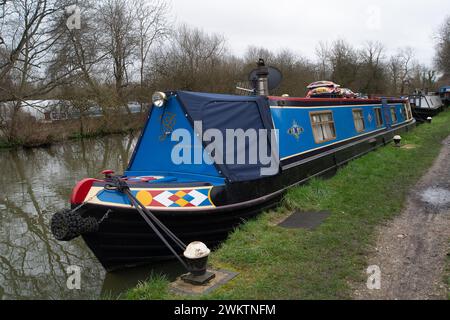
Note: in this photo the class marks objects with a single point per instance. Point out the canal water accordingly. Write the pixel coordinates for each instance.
(34, 183)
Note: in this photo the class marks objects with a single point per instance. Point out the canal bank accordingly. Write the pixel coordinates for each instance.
(323, 263)
(35, 133)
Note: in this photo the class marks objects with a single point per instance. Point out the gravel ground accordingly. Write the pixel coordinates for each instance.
(411, 250)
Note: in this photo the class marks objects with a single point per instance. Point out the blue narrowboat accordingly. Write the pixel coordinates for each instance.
(444, 92)
(202, 193)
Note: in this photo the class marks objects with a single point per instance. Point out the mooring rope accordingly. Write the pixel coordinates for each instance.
(171, 235)
(140, 210)
(86, 201)
(121, 186)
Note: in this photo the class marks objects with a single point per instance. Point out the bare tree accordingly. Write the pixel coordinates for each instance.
(428, 78)
(152, 27)
(405, 57)
(371, 71)
(192, 60)
(442, 59)
(394, 69)
(344, 63)
(28, 37)
(116, 21)
(254, 53)
(323, 61)
(422, 78)
(297, 72)
(80, 50)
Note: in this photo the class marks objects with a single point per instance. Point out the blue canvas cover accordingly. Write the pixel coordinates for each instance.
(153, 152)
(222, 112)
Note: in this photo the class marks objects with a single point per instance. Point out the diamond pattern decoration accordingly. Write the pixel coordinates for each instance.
(182, 202)
(180, 194)
(199, 197)
(176, 198)
(164, 198)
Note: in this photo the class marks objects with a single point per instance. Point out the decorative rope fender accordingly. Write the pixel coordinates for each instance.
(67, 225)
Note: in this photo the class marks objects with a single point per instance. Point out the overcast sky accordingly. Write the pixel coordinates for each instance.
(300, 25)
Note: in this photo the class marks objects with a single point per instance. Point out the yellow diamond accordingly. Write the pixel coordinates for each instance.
(181, 202)
(180, 194)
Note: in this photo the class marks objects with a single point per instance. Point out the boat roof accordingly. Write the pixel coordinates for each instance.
(337, 101)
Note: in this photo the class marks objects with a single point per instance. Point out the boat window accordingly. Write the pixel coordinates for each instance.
(358, 119)
(393, 115)
(408, 110)
(404, 112)
(323, 126)
(378, 117)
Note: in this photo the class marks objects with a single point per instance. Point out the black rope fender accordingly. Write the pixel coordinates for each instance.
(68, 224)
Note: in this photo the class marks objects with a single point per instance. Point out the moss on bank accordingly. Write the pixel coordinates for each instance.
(277, 263)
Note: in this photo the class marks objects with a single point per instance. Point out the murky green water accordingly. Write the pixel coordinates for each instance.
(35, 183)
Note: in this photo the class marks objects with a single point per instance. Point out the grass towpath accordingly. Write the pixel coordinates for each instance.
(277, 263)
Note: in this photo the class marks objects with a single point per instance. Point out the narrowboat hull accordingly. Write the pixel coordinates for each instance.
(424, 106)
(125, 240)
(421, 114)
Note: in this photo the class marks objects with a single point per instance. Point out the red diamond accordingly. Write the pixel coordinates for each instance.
(174, 198)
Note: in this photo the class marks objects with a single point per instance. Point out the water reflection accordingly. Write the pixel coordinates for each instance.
(34, 184)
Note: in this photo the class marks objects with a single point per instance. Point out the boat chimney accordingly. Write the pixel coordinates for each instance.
(262, 74)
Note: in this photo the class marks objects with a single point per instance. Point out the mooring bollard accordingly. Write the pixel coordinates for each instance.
(397, 140)
(196, 255)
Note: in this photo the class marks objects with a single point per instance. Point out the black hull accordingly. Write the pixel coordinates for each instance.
(125, 240)
(421, 114)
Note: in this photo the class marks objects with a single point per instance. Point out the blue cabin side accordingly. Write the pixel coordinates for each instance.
(444, 92)
(445, 89)
(296, 129)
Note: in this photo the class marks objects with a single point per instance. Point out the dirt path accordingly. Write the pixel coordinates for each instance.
(411, 250)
